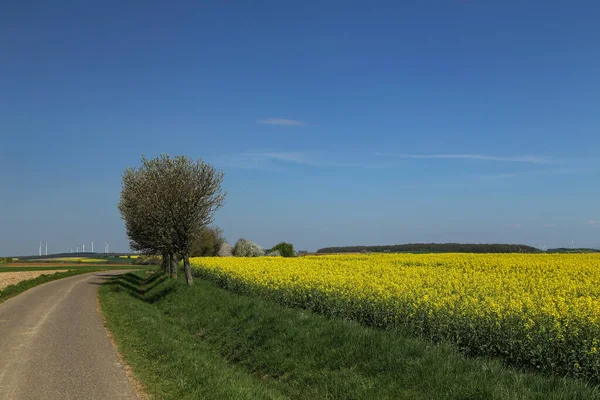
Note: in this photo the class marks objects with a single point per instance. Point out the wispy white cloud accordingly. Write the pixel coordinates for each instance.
(533, 173)
(482, 157)
(293, 157)
(592, 222)
(550, 226)
(262, 160)
(272, 159)
(281, 122)
(285, 157)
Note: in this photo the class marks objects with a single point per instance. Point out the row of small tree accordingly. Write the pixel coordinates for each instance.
(210, 242)
(246, 248)
(167, 204)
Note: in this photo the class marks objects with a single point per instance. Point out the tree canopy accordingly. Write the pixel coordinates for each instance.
(208, 242)
(285, 249)
(167, 203)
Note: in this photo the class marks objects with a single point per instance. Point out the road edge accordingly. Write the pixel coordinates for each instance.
(137, 385)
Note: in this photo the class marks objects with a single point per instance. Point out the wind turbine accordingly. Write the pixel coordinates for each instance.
(46, 247)
(40, 250)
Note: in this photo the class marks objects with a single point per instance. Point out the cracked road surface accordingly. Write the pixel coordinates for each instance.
(53, 344)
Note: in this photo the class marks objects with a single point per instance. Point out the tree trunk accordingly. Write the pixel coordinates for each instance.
(166, 263)
(173, 271)
(188, 269)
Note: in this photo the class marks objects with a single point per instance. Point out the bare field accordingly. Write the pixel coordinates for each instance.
(11, 278)
(60, 264)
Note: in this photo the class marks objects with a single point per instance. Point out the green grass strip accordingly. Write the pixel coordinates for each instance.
(206, 342)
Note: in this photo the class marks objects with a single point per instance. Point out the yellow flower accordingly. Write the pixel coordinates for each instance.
(540, 309)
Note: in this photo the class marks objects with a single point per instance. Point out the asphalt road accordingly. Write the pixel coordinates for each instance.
(53, 344)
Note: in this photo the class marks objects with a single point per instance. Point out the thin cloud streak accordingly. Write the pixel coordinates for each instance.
(293, 157)
(281, 122)
(312, 159)
(260, 160)
(266, 160)
(537, 173)
(482, 157)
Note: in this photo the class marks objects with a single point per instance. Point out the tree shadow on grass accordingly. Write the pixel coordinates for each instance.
(158, 295)
(133, 279)
(138, 287)
(155, 279)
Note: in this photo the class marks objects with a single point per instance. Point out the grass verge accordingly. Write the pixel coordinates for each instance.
(13, 290)
(206, 342)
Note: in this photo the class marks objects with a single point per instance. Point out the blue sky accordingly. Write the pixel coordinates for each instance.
(336, 123)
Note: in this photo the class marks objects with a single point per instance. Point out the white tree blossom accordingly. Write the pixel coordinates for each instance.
(246, 248)
(226, 250)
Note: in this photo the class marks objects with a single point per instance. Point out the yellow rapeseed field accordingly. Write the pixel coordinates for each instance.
(536, 310)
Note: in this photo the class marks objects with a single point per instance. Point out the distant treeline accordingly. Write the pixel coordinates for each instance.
(433, 248)
(569, 250)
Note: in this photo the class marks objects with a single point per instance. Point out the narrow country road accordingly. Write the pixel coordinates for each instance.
(53, 344)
